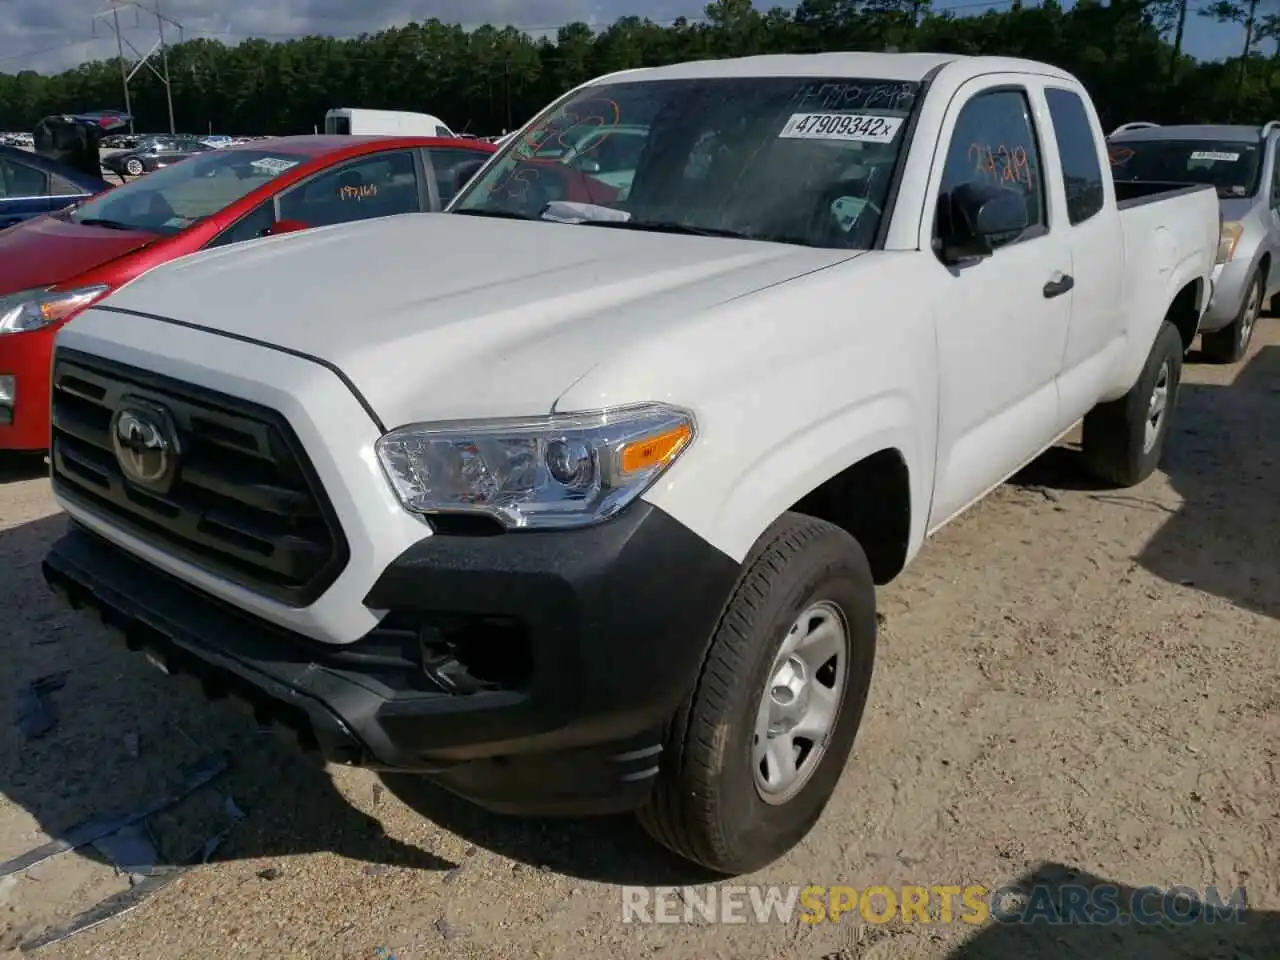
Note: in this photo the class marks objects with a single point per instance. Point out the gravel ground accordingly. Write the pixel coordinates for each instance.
(1071, 682)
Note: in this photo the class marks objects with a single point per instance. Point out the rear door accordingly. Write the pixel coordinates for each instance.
(1002, 321)
(1092, 230)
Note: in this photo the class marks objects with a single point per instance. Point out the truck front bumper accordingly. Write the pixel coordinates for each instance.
(532, 673)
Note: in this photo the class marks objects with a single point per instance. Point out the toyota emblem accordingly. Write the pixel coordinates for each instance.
(144, 444)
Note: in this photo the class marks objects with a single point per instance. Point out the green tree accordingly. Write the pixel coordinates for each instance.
(1128, 52)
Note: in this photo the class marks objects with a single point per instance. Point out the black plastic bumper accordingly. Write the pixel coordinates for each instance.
(530, 672)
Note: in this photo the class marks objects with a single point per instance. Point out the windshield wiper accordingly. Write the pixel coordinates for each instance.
(109, 224)
(501, 214)
(658, 226)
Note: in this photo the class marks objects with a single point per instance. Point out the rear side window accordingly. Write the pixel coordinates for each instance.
(380, 185)
(60, 187)
(1078, 154)
(19, 180)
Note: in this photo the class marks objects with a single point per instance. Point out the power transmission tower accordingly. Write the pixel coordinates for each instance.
(111, 16)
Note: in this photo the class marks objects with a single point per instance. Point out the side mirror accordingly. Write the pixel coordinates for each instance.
(974, 216)
(286, 226)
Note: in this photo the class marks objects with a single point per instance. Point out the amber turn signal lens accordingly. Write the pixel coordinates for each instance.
(654, 451)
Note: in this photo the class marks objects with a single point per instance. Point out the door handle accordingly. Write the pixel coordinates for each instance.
(1056, 288)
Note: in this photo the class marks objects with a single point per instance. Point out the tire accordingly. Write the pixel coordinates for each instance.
(1229, 344)
(1117, 447)
(134, 168)
(706, 805)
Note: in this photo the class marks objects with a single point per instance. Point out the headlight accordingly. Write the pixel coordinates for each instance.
(567, 470)
(1228, 237)
(33, 309)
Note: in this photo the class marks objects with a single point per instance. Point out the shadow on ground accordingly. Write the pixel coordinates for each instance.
(1222, 457)
(605, 849)
(21, 466)
(125, 732)
(1252, 934)
(1225, 464)
(114, 705)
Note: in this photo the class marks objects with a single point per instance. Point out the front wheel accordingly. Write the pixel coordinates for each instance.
(1230, 343)
(756, 751)
(134, 168)
(1123, 439)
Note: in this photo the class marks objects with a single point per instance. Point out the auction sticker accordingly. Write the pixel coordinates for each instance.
(1214, 155)
(273, 164)
(864, 127)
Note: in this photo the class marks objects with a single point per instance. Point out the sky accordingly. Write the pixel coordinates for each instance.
(52, 35)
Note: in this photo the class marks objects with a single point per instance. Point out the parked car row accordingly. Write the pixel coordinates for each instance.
(575, 498)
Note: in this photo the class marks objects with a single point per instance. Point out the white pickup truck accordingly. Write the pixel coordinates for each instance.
(577, 504)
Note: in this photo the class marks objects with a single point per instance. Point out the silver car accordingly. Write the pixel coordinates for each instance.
(1240, 162)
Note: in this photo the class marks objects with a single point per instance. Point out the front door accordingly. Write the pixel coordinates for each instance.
(1002, 321)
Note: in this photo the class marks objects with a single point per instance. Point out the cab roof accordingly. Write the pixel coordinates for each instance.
(320, 145)
(879, 66)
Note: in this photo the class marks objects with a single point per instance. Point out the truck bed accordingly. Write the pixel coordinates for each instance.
(1135, 193)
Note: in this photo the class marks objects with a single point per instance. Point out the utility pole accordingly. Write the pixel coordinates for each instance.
(164, 59)
(124, 76)
(144, 59)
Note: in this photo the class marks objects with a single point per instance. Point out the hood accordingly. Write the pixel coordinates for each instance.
(1233, 209)
(49, 250)
(443, 316)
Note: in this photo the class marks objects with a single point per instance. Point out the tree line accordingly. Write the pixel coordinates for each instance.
(1129, 53)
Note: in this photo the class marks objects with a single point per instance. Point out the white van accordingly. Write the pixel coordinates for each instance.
(354, 121)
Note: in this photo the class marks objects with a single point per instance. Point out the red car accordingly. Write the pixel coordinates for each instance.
(54, 266)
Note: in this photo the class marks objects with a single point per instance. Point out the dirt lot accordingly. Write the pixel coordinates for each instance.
(1071, 682)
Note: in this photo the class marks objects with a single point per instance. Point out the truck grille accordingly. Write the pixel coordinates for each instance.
(241, 500)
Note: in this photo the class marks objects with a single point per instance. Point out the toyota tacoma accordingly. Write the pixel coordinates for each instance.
(579, 507)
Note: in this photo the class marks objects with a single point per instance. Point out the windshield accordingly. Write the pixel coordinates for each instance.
(1232, 168)
(174, 198)
(786, 159)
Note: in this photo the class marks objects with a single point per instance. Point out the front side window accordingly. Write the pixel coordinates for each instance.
(253, 224)
(994, 143)
(784, 159)
(375, 186)
(1232, 168)
(453, 167)
(1078, 154)
(177, 197)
